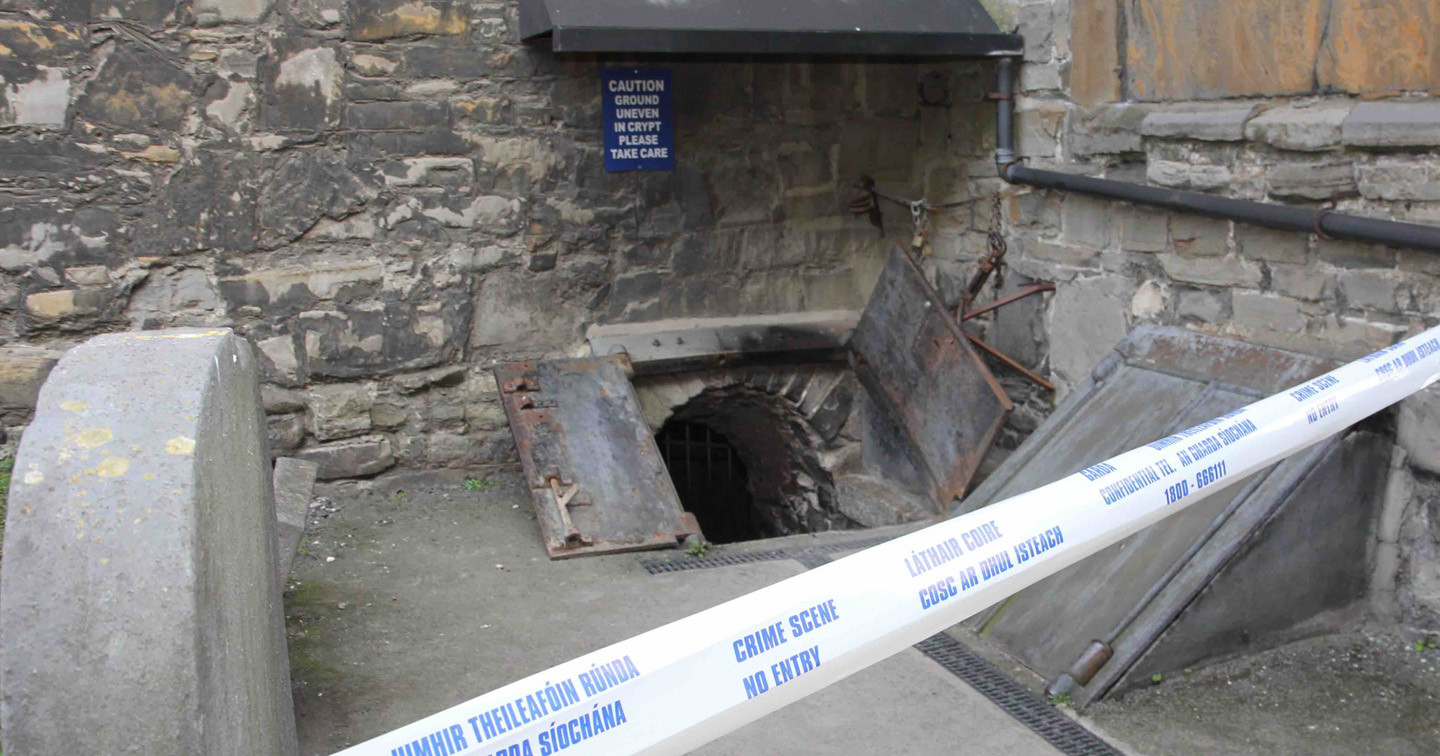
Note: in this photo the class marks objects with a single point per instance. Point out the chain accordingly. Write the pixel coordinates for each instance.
(996, 239)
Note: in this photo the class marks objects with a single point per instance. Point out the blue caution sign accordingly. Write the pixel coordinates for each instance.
(639, 119)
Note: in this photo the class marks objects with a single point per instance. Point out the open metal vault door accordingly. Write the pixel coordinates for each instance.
(917, 365)
(598, 481)
(596, 478)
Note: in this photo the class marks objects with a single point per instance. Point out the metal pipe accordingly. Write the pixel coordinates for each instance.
(1325, 223)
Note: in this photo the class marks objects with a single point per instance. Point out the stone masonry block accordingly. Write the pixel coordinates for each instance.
(1088, 318)
(216, 12)
(1393, 124)
(403, 116)
(1064, 254)
(375, 20)
(1347, 254)
(1257, 313)
(294, 488)
(1211, 122)
(1400, 180)
(1204, 305)
(1197, 236)
(1312, 181)
(1143, 229)
(1087, 221)
(1419, 429)
(1370, 289)
(170, 637)
(1300, 128)
(1212, 271)
(352, 458)
(135, 89)
(1260, 243)
(1109, 130)
(340, 410)
(302, 87)
(23, 370)
(1307, 282)
(1039, 129)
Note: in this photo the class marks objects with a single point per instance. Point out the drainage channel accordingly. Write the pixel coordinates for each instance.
(1025, 706)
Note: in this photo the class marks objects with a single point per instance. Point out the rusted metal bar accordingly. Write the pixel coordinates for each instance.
(1017, 296)
(1012, 364)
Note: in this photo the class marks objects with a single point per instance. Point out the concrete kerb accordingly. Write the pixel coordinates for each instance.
(139, 609)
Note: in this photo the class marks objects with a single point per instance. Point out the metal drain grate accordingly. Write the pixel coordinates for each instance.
(662, 566)
(1018, 701)
(810, 556)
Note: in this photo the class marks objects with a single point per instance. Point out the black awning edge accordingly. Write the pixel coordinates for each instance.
(863, 28)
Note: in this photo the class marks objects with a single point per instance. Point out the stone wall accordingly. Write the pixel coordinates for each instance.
(1287, 101)
(387, 196)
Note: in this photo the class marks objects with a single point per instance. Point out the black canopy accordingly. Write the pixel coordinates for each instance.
(850, 28)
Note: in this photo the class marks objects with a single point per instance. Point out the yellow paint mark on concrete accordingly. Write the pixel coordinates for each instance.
(94, 437)
(104, 561)
(148, 476)
(154, 336)
(34, 478)
(112, 467)
(180, 445)
(70, 405)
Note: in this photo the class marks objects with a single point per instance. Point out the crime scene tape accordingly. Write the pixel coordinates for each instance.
(675, 688)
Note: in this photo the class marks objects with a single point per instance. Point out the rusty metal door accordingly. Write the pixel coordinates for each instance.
(597, 481)
(917, 366)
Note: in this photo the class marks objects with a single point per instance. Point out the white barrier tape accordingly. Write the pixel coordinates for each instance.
(680, 686)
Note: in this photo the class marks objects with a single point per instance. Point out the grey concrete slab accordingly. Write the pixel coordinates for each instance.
(294, 488)
(139, 612)
(437, 594)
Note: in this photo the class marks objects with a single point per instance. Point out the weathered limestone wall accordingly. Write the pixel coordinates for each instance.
(386, 196)
(1288, 101)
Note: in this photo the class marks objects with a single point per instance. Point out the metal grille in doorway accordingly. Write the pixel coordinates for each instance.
(710, 478)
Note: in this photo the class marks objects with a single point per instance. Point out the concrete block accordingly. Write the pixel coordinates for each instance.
(1211, 122)
(1393, 124)
(1301, 128)
(140, 611)
(294, 488)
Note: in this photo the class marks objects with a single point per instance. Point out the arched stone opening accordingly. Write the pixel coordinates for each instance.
(787, 431)
(782, 486)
